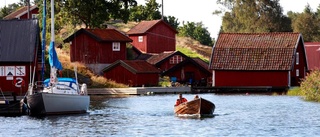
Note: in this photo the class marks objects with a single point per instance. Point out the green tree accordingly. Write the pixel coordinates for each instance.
(6, 10)
(196, 31)
(148, 12)
(172, 21)
(120, 9)
(253, 16)
(307, 23)
(90, 12)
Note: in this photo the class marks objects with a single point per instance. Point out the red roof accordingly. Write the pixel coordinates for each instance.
(313, 54)
(145, 26)
(18, 13)
(135, 66)
(254, 51)
(101, 35)
(154, 59)
(202, 63)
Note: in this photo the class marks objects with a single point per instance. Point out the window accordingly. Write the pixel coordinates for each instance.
(140, 39)
(176, 59)
(297, 58)
(297, 72)
(116, 46)
(34, 16)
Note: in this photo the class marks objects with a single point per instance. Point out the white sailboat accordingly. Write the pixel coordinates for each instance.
(57, 95)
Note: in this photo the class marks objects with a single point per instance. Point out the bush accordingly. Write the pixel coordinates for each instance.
(311, 85)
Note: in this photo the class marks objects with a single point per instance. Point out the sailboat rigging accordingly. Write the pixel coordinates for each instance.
(57, 95)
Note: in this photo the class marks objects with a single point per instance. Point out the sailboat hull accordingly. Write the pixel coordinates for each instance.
(53, 104)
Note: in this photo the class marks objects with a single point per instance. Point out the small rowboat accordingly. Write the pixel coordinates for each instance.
(198, 107)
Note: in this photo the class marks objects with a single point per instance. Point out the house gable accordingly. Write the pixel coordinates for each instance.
(21, 13)
(154, 36)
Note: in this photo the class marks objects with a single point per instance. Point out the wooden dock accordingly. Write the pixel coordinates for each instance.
(239, 90)
(138, 90)
(10, 104)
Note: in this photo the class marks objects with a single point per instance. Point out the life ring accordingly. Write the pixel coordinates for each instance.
(18, 82)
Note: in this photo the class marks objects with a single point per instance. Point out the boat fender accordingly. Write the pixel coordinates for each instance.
(84, 89)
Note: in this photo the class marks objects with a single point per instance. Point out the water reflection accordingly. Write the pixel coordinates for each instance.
(235, 115)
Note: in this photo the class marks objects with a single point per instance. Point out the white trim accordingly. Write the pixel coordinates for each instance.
(26, 11)
(297, 58)
(115, 46)
(289, 78)
(297, 72)
(213, 78)
(140, 38)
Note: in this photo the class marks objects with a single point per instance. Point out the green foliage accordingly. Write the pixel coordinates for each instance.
(310, 87)
(148, 12)
(295, 91)
(191, 53)
(253, 16)
(306, 23)
(165, 81)
(6, 10)
(172, 21)
(196, 31)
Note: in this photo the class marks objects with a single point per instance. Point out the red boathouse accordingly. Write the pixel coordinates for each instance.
(258, 59)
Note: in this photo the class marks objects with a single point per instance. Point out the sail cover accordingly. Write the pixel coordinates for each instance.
(53, 58)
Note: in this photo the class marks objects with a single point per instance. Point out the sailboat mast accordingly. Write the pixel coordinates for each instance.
(52, 21)
(43, 38)
(53, 70)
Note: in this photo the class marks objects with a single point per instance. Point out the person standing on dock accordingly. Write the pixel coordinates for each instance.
(180, 100)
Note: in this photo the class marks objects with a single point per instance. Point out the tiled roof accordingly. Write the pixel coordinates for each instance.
(21, 11)
(254, 51)
(101, 35)
(135, 66)
(159, 57)
(201, 63)
(144, 26)
(313, 54)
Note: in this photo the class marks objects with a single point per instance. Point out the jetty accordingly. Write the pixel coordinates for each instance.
(139, 90)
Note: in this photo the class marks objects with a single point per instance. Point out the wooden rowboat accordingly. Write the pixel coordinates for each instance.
(198, 107)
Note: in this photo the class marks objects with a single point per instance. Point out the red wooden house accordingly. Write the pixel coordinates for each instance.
(22, 13)
(97, 48)
(180, 67)
(258, 59)
(132, 73)
(19, 50)
(313, 55)
(154, 36)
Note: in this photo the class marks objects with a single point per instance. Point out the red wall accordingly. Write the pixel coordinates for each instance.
(188, 68)
(160, 39)
(87, 50)
(157, 40)
(8, 84)
(251, 78)
(139, 45)
(34, 11)
(295, 80)
(122, 75)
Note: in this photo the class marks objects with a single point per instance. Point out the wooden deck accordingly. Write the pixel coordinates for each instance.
(138, 90)
(239, 90)
(10, 104)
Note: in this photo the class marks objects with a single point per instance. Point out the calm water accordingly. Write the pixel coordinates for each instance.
(235, 115)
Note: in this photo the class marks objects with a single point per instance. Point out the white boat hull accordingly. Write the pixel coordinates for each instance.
(52, 104)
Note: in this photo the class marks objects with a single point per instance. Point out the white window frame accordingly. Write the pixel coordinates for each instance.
(34, 16)
(115, 46)
(297, 72)
(297, 58)
(140, 39)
